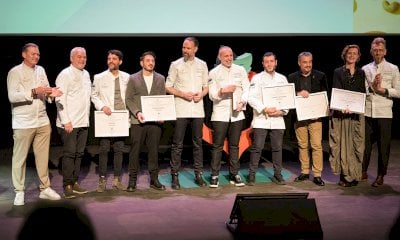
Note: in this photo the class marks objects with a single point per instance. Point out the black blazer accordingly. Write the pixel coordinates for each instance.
(319, 82)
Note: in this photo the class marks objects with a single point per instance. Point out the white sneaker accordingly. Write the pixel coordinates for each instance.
(49, 194)
(19, 199)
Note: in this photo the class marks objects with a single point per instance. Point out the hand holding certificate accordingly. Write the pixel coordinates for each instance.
(157, 108)
(114, 125)
(314, 106)
(348, 100)
(280, 97)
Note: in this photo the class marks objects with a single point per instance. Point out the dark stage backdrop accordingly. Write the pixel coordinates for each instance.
(55, 52)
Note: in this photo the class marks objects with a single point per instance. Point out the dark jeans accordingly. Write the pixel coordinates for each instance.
(220, 130)
(148, 134)
(118, 144)
(377, 130)
(74, 145)
(276, 139)
(177, 143)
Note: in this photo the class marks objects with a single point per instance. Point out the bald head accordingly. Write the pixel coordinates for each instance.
(225, 55)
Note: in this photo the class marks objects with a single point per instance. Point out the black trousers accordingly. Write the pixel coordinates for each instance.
(177, 143)
(118, 144)
(276, 139)
(377, 130)
(74, 145)
(220, 130)
(148, 134)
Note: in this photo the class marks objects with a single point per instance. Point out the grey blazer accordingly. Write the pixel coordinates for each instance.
(137, 87)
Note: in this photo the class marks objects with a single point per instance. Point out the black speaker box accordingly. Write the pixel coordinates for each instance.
(277, 218)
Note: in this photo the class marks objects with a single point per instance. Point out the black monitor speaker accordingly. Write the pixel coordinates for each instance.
(275, 216)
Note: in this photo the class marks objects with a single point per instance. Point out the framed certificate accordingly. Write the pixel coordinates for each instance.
(280, 97)
(316, 105)
(158, 108)
(344, 99)
(115, 125)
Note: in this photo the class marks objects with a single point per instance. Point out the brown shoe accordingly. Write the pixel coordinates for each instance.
(364, 177)
(378, 181)
(344, 183)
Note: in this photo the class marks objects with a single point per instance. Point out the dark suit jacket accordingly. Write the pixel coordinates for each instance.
(137, 88)
(319, 81)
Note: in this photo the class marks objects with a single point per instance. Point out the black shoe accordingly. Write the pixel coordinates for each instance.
(198, 179)
(214, 182)
(175, 181)
(302, 177)
(131, 188)
(236, 180)
(354, 183)
(278, 180)
(155, 184)
(318, 181)
(251, 180)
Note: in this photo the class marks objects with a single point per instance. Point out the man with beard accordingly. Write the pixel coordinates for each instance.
(267, 119)
(188, 81)
(146, 82)
(108, 94)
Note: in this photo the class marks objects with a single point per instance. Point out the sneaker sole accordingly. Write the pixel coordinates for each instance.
(49, 198)
(214, 186)
(77, 192)
(156, 188)
(69, 197)
(237, 184)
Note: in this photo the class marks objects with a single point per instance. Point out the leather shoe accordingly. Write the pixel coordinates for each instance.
(302, 177)
(131, 188)
(318, 181)
(378, 181)
(354, 183)
(364, 177)
(278, 179)
(175, 181)
(198, 179)
(155, 184)
(344, 183)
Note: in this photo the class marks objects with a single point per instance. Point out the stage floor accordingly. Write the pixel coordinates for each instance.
(361, 212)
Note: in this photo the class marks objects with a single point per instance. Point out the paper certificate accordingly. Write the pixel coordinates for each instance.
(280, 97)
(158, 108)
(344, 99)
(314, 106)
(115, 125)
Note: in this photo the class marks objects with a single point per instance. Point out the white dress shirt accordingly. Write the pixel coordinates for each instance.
(188, 76)
(27, 112)
(222, 76)
(260, 119)
(74, 105)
